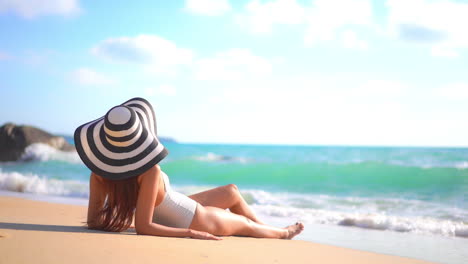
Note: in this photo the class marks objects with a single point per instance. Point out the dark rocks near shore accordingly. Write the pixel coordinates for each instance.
(14, 139)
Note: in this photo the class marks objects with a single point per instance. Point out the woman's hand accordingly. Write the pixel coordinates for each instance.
(202, 235)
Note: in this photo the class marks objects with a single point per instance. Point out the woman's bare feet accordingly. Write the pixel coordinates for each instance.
(294, 230)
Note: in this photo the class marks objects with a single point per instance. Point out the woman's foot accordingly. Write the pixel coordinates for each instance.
(294, 230)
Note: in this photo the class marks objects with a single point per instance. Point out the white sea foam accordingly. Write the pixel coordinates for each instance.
(382, 214)
(417, 163)
(44, 152)
(398, 215)
(431, 163)
(392, 214)
(32, 183)
(212, 157)
(462, 165)
(419, 225)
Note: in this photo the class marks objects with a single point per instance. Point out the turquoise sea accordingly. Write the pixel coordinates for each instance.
(395, 200)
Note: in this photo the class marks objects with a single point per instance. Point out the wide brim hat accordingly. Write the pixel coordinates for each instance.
(123, 143)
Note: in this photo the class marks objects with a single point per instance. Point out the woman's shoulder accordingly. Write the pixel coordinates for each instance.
(152, 172)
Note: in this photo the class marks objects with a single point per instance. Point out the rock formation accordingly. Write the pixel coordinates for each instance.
(14, 139)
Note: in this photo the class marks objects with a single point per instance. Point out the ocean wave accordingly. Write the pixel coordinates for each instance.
(32, 183)
(462, 165)
(419, 225)
(376, 221)
(391, 214)
(421, 164)
(365, 179)
(398, 215)
(44, 152)
(212, 157)
(364, 205)
(422, 158)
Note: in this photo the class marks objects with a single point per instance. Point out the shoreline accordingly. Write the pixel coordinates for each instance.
(52, 232)
(403, 244)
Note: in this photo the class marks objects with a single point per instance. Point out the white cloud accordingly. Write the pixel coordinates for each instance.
(86, 76)
(157, 54)
(260, 17)
(443, 51)
(35, 8)
(167, 89)
(164, 89)
(322, 19)
(454, 91)
(351, 41)
(326, 17)
(385, 89)
(233, 64)
(439, 23)
(335, 103)
(208, 7)
(316, 94)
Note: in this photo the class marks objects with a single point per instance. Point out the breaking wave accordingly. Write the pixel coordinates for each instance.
(32, 183)
(44, 152)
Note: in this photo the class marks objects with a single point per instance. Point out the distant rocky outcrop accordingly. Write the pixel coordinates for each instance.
(14, 139)
(167, 139)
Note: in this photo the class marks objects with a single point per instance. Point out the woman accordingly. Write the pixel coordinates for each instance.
(122, 151)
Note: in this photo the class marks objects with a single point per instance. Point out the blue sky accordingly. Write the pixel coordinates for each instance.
(349, 72)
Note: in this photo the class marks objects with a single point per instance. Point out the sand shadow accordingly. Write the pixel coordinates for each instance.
(58, 228)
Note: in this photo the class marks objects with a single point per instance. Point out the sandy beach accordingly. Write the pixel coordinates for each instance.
(42, 232)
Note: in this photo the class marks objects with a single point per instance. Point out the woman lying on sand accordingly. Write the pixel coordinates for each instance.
(122, 151)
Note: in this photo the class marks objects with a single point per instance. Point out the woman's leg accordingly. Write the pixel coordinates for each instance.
(226, 197)
(223, 223)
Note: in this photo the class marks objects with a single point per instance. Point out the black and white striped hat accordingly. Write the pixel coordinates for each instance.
(123, 143)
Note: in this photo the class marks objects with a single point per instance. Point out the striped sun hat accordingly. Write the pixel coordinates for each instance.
(123, 143)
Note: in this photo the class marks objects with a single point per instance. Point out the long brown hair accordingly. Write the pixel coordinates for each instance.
(120, 198)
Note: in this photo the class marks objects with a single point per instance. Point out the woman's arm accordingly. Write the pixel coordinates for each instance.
(97, 196)
(145, 207)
